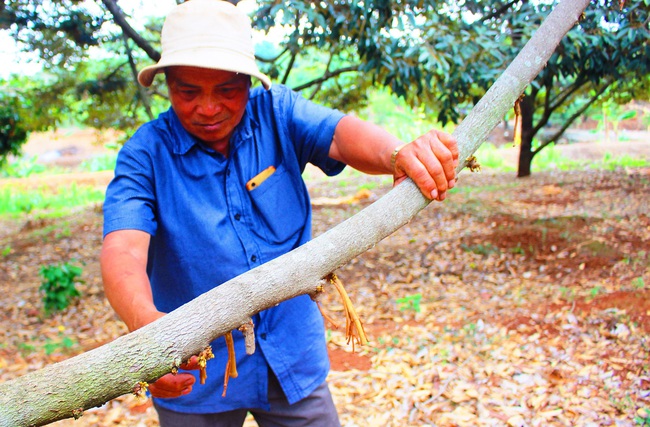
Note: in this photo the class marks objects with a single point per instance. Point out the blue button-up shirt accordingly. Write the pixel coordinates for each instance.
(207, 228)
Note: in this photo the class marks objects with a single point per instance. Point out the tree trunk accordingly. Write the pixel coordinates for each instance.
(526, 153)
(65, 389)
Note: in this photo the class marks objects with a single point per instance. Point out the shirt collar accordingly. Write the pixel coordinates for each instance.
(184, 141)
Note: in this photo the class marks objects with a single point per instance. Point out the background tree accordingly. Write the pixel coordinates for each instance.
(89, 66)
(438, 55)
(13, 132)
(444, 55)
(127, 363)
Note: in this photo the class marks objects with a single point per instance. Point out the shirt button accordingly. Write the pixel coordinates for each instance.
(237, 217)
(253, 258)
(263, 336)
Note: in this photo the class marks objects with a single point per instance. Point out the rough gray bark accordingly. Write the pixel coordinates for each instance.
(65, 389)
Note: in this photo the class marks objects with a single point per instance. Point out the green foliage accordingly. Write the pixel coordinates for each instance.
(13, 131)
(594, 292)
(552, 158)
(410, 302)
(480, 249)
(58, 285)
(65, 30)
(567, 294)
(26, 348)
(62, 343)
(22, 168)
(104, 162)
(638, 283)
(643, 420)
(518, 250)
(362, 45)
(89, 68)
(495, 159)
(396, 116)
(492, 158)
(439, 57)
(612, 162)
(442, 56)
(15, 201)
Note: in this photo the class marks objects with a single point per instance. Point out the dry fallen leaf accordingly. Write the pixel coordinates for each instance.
(506, 330)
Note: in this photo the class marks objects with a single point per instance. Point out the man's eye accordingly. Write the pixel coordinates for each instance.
(231, 91)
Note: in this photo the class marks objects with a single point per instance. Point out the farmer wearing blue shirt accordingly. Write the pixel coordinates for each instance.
(211, 189)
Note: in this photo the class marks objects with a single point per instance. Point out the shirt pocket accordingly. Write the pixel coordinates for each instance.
(280, 206)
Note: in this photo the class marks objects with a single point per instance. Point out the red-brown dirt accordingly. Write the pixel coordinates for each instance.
(514, 302)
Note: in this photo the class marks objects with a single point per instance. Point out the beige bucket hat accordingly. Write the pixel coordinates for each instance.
(208, 34)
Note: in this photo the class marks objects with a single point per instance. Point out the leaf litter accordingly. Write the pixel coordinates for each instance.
(513, 303)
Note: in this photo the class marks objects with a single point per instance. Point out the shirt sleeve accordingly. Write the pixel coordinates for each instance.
(130, 201)
(312, 127)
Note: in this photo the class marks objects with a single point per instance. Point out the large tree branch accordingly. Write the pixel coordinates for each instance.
(326, 76)
(553, 104)
(274, 59)
(574, 116)
(292, 60)
(548, 108)
(561, 98)
(144, 97)
(92, 378)
(500, 11)
(120, 20)
(294, 53)
(320, 84)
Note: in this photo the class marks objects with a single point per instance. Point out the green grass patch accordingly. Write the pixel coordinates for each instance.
(369, 186)
(105, 162)
(481, 249)
(22, 168)
(492, 158)
(495, 159)
(551, 158)
(612, 162)
(58, 230)
(44, 202)
(492, 188)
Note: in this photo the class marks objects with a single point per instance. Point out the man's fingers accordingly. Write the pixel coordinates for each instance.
(434, 170)
(427, 173)
(169, 385)
(438, 159)
(445, 150)
(192, 363)
(450, 142)
(431, 162)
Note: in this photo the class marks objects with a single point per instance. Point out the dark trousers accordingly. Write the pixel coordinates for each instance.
(317, 409)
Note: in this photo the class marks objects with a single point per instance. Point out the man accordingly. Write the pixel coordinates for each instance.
(213, 188)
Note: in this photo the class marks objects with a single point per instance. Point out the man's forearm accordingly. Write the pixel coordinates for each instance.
(429, 160)
(363, 145)
(126, 284)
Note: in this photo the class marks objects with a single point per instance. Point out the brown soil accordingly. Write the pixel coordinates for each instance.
(542, 279)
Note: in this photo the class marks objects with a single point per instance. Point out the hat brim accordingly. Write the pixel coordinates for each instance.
(235, 63)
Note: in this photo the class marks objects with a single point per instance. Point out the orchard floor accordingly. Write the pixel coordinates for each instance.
(516, 302)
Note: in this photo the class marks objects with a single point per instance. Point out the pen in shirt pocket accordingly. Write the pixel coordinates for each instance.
(259, 178)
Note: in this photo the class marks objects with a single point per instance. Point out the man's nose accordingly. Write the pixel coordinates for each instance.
(210, 105)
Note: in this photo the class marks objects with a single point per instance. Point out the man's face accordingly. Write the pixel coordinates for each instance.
(209, 103)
